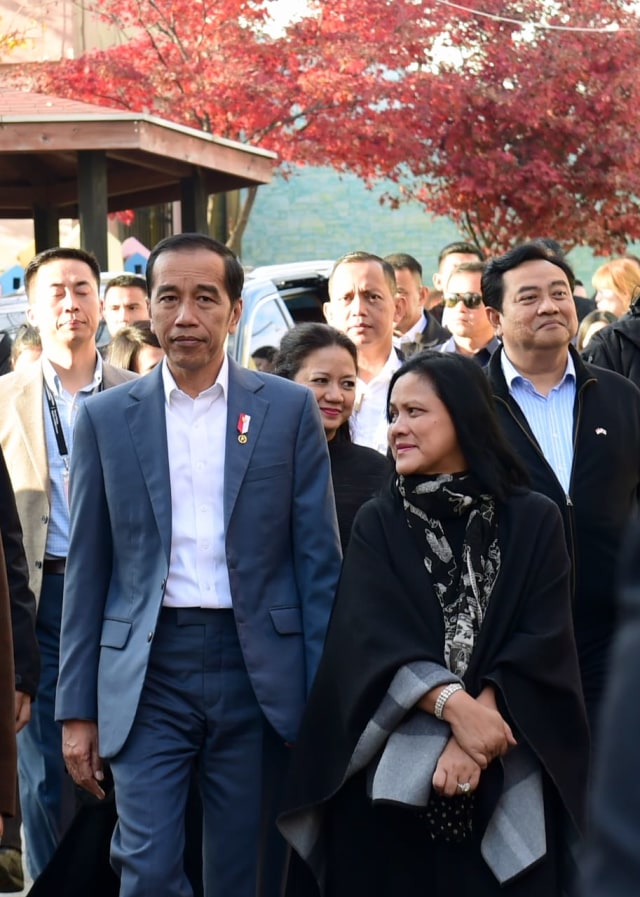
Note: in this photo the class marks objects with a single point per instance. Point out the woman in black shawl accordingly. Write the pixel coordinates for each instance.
(444, 750)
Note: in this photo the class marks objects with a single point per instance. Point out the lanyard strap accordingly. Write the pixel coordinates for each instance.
(57, 423)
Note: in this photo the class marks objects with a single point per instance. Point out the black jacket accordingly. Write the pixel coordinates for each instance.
(584, 306)
(434, 334)
(23, 604)
(603, 493)
(358, 473)
(6, 345)
(617, 347)
(611, 864)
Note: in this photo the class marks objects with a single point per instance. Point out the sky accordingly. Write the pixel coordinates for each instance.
(285, 10)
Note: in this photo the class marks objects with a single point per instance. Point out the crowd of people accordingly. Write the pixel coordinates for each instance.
(338, 625)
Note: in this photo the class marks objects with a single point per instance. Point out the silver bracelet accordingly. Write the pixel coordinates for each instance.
(444, 696)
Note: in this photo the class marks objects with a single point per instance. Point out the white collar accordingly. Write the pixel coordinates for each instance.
(221, 381)
(511, 373)
(52, 379)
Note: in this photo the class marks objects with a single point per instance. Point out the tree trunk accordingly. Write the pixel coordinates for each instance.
(217, 216)
(238, 226)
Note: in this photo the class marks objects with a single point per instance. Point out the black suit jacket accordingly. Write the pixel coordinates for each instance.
(23, 603)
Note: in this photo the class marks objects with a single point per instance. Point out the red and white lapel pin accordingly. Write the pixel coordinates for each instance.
(243, 427)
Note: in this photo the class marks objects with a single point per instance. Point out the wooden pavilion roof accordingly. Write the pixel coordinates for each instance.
(147, 158)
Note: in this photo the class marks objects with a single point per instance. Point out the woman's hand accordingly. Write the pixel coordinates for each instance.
(480, 730)
(455, 767)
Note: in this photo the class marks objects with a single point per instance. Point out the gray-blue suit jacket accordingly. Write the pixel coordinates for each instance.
(282, 548)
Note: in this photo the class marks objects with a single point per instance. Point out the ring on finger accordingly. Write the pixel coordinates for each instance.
(464, 787)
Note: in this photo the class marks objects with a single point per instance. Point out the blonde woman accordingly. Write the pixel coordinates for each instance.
(616, 284)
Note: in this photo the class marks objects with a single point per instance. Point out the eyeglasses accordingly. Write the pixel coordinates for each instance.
(470, 300)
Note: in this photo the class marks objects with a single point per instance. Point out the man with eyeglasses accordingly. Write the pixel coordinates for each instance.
(465, 315)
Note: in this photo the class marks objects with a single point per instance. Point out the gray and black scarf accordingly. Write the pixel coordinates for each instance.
(462, 585)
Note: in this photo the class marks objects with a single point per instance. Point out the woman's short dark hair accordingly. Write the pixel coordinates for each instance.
(266, 353)
(463, 387)
(303, 339)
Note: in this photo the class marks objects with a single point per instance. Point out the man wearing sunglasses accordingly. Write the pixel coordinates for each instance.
(465, 315)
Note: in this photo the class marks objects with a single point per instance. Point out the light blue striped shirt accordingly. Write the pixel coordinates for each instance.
(550, 417)
(58, 529)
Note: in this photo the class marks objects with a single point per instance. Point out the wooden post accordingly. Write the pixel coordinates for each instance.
(92, 204)
(194, 204)
(46, 232)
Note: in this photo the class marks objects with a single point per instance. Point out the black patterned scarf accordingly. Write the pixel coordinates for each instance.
(462, 585)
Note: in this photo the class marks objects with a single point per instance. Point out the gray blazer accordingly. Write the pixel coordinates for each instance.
(282, 548)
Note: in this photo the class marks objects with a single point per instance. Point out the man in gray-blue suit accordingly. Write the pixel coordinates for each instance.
(203, 559)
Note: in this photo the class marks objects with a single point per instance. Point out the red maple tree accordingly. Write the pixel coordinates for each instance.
(532, 130)
(511, 130)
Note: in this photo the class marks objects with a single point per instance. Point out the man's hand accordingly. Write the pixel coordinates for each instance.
(80, 751)
(23, 709)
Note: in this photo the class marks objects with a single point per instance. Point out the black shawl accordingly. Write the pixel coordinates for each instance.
(386, 615)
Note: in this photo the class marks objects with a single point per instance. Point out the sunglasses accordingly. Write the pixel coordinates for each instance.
(470, 300)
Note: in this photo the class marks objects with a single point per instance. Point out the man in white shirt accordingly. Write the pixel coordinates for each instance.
(364, 304)
(203, 559)
(124, 302)
(417, 329)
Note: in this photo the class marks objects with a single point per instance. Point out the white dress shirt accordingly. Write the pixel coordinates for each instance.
(196, 431)
(412, 332)
(369, 422)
